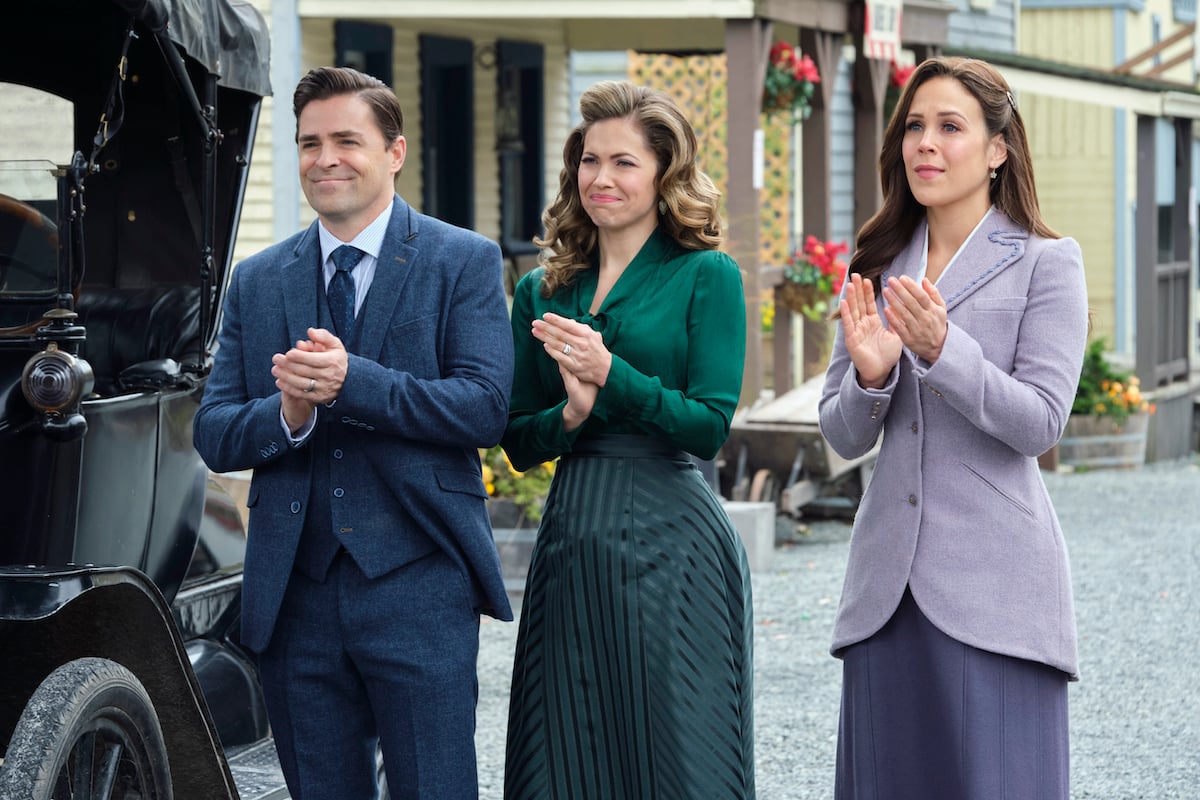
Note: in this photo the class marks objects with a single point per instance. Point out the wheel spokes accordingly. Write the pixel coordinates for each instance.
(95, 767)
(106, 771)
(81, 763)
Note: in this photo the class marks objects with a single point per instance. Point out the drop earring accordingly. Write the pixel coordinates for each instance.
(662, 206)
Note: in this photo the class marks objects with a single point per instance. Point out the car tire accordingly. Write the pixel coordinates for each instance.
(89, 731)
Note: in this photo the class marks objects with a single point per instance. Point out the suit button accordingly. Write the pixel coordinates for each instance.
(337, 453)
(338, 492)
(912, 499)
(295, 506)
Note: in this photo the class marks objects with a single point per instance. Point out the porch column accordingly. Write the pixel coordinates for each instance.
(870, 87)
(745, 50)
(825, 48)
(1145, 255)
(1180, 304)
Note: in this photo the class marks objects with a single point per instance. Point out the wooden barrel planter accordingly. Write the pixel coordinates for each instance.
(1100, 442)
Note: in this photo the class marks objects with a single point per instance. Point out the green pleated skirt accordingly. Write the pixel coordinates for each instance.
(633, 674)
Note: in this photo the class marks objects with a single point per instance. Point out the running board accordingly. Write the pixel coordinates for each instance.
(257, 774)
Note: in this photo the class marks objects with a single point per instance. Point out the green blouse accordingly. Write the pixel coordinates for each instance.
(675, 323)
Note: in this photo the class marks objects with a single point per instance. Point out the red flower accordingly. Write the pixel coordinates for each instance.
(782, 55)
(806, 70)
(900, 75)
(819, 273)
(788, 83)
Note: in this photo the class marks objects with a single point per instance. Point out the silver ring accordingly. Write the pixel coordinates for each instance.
(566, 349)
(312, 384)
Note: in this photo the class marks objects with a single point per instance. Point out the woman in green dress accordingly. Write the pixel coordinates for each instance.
(633, 669)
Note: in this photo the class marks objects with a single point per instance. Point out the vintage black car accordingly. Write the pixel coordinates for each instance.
(121, 675)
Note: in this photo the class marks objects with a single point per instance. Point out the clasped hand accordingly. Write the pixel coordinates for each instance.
(916, 319)
(310, 373)
(583, 362)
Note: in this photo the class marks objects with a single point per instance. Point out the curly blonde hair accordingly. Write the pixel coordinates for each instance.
(691, 199)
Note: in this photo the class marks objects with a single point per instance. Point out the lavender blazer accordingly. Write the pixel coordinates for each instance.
(956, 508)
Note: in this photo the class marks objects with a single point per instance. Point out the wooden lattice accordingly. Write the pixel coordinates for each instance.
(698, 84)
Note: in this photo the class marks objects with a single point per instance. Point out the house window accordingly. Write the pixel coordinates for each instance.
(519, 143)
(365, 47)
(1184, 11)
(448, 129)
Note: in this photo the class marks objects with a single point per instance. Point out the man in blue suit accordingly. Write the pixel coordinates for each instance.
(361, 363)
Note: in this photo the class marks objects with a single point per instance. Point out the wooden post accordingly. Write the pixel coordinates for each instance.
(870, 87)
(745, 50)
(825, 48)
(1145, 260)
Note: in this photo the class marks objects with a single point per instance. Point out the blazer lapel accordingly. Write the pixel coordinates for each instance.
(998, 243)
(300, 278)
(397, 258)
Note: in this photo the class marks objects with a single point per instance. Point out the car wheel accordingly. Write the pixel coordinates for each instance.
(88, 732)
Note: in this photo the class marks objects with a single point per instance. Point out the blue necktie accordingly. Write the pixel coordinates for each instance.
(340, 292)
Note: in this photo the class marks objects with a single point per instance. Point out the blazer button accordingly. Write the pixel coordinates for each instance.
(912, 499)
(338, 492)
(295, 506)
(337, 453)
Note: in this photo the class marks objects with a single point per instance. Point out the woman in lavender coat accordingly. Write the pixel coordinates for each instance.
(962, 334)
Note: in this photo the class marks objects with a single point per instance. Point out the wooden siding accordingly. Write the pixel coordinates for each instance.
(1139, 37)
(985, 24)
(256, 226)
(842, 156)
(317, 48)
(1074, 150)
(528, 9)
(1071, 36)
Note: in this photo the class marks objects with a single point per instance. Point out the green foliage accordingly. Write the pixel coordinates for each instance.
(1107, 392)
(527, 489)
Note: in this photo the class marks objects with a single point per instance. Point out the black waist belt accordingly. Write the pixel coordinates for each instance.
(626, 445)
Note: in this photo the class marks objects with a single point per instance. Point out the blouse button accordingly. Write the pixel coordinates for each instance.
(912, 499)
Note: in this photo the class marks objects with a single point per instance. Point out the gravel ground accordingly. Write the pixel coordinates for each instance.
(1134, 539)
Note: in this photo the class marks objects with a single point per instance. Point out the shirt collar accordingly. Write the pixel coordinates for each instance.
(369, 239)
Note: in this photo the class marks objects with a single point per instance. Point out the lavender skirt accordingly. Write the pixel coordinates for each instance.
(925, 716)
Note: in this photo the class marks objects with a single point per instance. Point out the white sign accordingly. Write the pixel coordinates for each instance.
(881, 29)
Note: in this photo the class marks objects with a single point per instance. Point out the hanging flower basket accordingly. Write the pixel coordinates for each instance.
(789, 84)
(814, 276)
(896, 82)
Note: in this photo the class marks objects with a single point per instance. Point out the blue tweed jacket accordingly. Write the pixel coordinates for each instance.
(428, 386)
(956, 507)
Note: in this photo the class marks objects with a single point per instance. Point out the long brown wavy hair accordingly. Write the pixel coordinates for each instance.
(691, 199)
(885, 234)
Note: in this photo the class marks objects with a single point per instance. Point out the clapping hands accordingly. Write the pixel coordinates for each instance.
(916, 319)
(583, 362)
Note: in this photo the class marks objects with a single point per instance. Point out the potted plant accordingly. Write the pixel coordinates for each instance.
(814, 275)
(515, 498)
(1109, 418)
(515, 501)
(789, 83)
